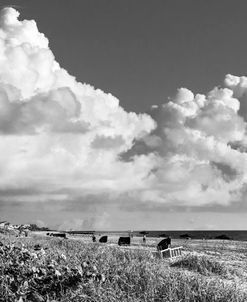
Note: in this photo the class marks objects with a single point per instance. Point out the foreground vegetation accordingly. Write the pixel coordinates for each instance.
(50, 269)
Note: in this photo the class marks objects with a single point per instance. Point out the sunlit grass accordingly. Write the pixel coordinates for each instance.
(93, 272)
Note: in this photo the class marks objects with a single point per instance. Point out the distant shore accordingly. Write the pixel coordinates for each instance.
(189, 234)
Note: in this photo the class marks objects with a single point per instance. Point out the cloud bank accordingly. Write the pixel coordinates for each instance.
(56, 132)
(63, 139)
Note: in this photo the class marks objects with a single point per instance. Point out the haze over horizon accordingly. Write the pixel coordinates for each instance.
(143, 154)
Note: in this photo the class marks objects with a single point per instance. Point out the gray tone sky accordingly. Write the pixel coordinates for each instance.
(142, 51)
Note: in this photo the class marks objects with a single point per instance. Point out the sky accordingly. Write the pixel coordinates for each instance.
(123, 114)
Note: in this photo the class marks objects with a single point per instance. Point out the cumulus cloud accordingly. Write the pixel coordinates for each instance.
(61, 138)
(198, 145)
(56, 132)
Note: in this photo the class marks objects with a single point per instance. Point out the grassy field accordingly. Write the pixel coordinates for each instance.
(41, 268)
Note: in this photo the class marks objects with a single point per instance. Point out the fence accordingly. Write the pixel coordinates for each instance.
(171, 252)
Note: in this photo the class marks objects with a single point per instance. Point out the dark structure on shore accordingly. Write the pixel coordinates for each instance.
(61, 235)
(164, 244)
(103, 239)
(124, 241)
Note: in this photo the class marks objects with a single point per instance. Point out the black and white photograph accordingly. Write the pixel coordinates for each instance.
(123, 151)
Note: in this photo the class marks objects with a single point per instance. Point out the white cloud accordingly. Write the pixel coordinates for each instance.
(57, 134)
(237, 84)
(198, 161)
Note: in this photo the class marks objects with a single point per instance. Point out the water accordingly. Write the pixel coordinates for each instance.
(200, 234)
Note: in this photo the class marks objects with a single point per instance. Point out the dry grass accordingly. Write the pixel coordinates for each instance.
(74, 270)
